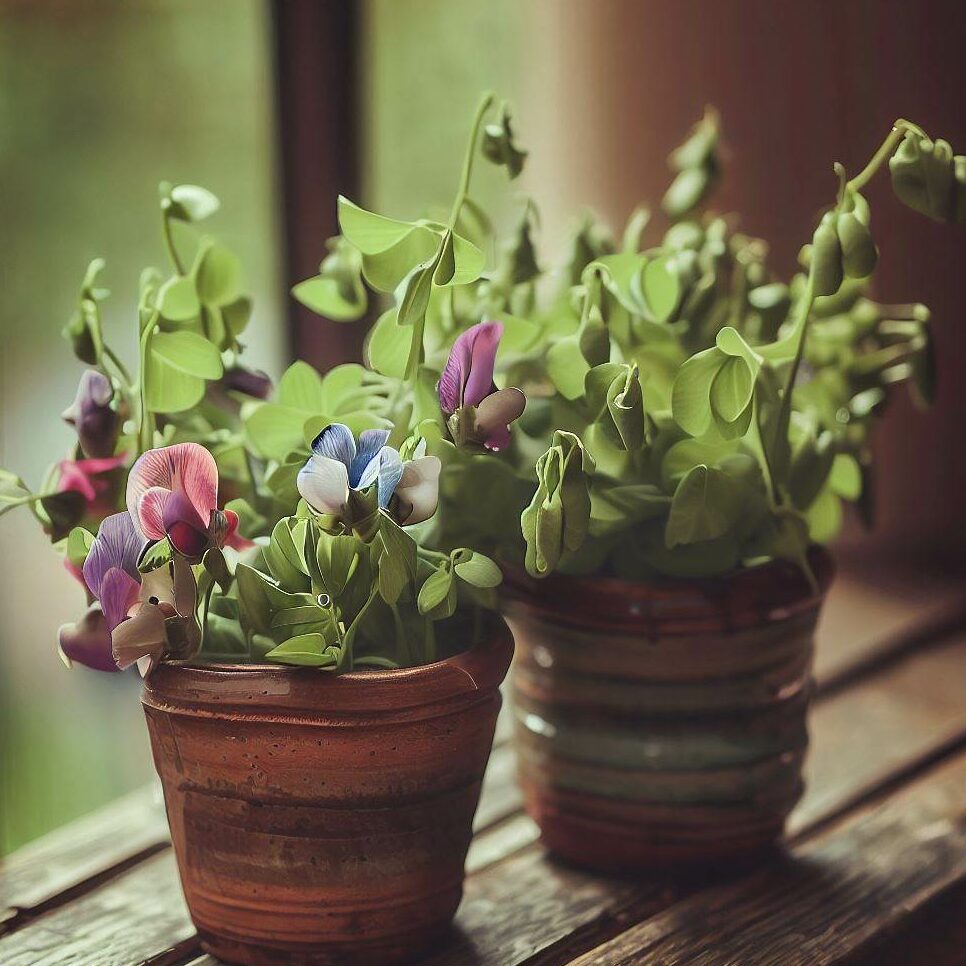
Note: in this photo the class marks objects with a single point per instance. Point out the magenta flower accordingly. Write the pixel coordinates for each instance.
(476, 411)
(97, 423)
(173, 492)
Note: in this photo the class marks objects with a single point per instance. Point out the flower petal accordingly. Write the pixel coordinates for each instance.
(385, 469)
(370, 442)
(88, 641)
(484, 341)
(336, 443)
(117, 544)
(119, 593)
(143, 635)
(418, 490)
(187, 468)
(186, 530)
(324, 484)
(494, 415)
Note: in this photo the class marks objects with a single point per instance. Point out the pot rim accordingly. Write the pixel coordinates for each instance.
(285, 688)
(678, 606)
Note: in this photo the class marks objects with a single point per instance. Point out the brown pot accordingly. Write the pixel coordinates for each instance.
(322, 819)
(662, 724)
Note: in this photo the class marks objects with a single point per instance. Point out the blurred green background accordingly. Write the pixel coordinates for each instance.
(99, 101)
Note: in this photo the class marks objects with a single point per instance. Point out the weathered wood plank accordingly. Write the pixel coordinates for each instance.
(129, 828)
(138, 915)
(828, 899)
(526, 909)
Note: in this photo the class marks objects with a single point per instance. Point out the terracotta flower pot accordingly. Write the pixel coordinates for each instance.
(322, 819)
(662, 724)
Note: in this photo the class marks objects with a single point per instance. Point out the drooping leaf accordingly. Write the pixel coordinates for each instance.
(706, 505)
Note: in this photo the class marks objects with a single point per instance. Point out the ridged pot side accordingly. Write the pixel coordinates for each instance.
(662, 724)
(320, 819)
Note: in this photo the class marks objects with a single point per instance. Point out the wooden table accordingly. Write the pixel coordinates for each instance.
(874, 872)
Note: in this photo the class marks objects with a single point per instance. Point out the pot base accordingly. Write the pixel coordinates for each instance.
(647, 842)
(390, 952)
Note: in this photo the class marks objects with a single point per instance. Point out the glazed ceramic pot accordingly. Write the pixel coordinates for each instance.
(319, 818)
(662, 724)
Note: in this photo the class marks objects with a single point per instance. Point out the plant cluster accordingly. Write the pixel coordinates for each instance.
(206, 524)
(688, 411)
(660, 404)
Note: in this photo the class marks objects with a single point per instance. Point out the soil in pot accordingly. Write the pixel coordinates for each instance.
(663, 725)
(324, 819)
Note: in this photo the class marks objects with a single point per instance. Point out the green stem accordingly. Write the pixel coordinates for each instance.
(169, 243)
(146, 426)
(23, 500)
(891, 142)
(121, 368)
(805, 308)
(766, 459)
(485, 104)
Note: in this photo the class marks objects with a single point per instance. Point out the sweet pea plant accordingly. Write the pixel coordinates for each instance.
(208, 525)
(688, 412)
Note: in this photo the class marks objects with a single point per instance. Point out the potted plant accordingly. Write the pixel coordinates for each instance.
(693, 427)
(321, 689)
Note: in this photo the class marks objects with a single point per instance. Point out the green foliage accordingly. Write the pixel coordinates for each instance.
(688, 411)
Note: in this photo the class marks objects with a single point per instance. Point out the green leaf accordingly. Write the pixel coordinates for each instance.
(178, 300)
(300, 388)
(706, 505)
(567, 367)
(435, 590)
(397, 562)
(661, 289)
(385, 271)
(415, 295)
(306, 650)
(460, 263)
(218, 275)
(369, 232)
(845, 479)
(478, 570)
(190, 202)
(324, 296)
(187, 352)
(691, 393)
(169, 389)
(12, 490)
(387, 348)
(79, 543)
(732, 389)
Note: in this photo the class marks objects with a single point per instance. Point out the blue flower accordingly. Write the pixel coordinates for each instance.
(339, 464)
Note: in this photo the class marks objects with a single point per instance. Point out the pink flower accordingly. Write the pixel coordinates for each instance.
(173, 492)
(478, 412)
(95, 480)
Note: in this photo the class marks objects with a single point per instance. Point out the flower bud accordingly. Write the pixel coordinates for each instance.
(928, 178)
(826, 269)
(97, 423)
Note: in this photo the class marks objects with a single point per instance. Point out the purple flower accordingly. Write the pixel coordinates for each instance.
(139, 617)
(111, 575)
(476, 411)
(338, 466)
(98, 425)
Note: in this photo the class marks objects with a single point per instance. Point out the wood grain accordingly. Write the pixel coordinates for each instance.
(130, 828)
(138, 915)
(826, 900)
